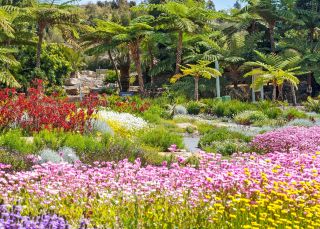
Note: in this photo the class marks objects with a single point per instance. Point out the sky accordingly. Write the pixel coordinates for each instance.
(223, 4)
(220, 4)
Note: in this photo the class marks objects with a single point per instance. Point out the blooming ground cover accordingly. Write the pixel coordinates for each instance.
(248, 191)
(277, 187)
(126, 121)
(301, 139)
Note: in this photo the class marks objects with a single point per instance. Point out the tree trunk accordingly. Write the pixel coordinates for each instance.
(115, 68)
(135, 52)
(294, 97)
(311, 35)
(274, 92)
(309, 82)
(179, 52)
(196, 88)
(39, 45)
(125, 74)
(151, 65)
(271, 34)
(280, 88)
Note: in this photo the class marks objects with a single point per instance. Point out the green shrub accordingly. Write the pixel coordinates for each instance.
(227, 147)
(13, 140)
(249, 117)
(293, 113)
(224, 141)
(119, 148)
(204, 127)
(86, 143)
(81, 143)
(193, 108)
(49, 139)
(180, 110)
(162, 138)
(221, 134)
(16, 160)
(111, 76)
(272, 112)
(49, 155)
(270, 122)
(154, 114)
(312, 104)
(190, 129)
(227, 108)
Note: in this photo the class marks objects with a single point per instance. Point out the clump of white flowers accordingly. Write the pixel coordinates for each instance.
(125, 120)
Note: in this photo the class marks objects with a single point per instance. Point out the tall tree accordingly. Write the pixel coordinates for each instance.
(275, 69)
(132, 35)
(231, 51)
(197, 71)
(180, 17)
(46, 16)
(271, 12)
(308, 11)
(7, 59)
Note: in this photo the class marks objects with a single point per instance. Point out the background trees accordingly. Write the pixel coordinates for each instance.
(197, 71)
(153, 39)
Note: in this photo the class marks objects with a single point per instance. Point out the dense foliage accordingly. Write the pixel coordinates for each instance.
(153, 40)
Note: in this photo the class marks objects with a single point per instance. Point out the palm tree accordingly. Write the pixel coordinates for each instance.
(270, 12)
(132, 35)
(197, 71)
(180, 17)
(152, 53)
(275, 69)
(7, 58)
(230, 51)
(99, 41)
(5, 22)
(308, 11)
(47, 16)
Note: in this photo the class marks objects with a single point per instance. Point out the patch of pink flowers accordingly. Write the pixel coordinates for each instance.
(4, 166)
(244, 174)
(302, 139)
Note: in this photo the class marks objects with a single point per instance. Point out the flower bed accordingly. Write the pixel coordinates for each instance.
(13, 219)
(272, 190)
(36, 111)
(126, 121)
(292, 138)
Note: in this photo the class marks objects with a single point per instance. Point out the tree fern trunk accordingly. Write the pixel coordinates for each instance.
(196, 88)
(39, 45)
(135, 52)
(294, 97)
(151, 65)
(271, 34)
(115, 68)
(125, 75)
(280, 88)
(274, 92)
(179, 52)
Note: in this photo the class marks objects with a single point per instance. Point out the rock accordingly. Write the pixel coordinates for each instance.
(71, 82)
(85, 90)
(185, 125)
(72, 90)
(87, 73)
(97, 90)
